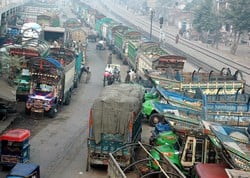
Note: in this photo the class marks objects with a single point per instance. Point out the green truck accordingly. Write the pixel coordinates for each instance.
(113, 28)
(121, 43)
(99, 23)
(114, 121)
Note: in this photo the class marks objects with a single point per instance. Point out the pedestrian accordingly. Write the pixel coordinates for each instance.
(110, 58)
(177, 38)
(127, 79)
(132, 75)
(109, 69)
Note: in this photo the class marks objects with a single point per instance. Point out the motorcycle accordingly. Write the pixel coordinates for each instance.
(108, 78)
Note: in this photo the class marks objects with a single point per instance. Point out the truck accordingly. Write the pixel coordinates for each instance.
(52, 82)
(114, 121)
(231, 109)
(136, 48)
(115, 27)
(148, 56)
(98, 24)
(48, 19)
(121, 43)
(72, 23)
(31, 48)
(209, 82)
(52, 34)
(104, 26)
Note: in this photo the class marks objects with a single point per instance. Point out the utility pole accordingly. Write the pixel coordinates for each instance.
(161, 23)
(152, 12)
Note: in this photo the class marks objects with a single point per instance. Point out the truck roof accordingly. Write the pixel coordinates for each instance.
(16, 135)
(54, 29)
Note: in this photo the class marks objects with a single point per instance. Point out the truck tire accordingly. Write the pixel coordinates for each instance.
(154, 119)
(68, 98)
(27, 111)
(52, 112)
(104, 81)
(76, 83)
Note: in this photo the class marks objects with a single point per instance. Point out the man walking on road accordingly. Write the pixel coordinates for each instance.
(110, 58)
(177, 38)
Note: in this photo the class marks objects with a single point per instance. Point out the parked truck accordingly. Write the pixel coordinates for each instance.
(121, 43)
(52, 82)
(114, 28)
(99, 23)
(209, 82)
(228, 109)
(147, 56)
(53, 34)
(114, 120)
(31, 48)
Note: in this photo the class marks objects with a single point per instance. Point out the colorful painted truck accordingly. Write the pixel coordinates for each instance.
(121, 43)
(209, 82)
(52, 82)
(32, 48)
(114, 120)
(15, 147)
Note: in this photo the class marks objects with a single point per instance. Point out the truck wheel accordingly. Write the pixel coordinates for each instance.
(27, 111)
(76, 83)
(52, 112)
(155, 119)
(67, 100)
(104, 81)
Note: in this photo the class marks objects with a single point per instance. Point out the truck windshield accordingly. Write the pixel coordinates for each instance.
(44, 88)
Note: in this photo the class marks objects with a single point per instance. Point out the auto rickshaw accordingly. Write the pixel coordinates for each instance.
(25, 170)
(101, 45)
(15, 147)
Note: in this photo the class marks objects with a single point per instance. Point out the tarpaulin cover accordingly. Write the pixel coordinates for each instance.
(113, 109)
(22, 169)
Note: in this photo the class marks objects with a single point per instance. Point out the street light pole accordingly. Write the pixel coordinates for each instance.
(151, 22)
(161, 22)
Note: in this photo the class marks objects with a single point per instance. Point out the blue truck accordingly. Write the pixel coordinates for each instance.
(229, 109)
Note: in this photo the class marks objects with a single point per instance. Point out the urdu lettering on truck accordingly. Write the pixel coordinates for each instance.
(114, 121)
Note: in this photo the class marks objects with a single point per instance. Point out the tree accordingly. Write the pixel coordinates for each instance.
(10, 66)
(238, 16)
(206, 20)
